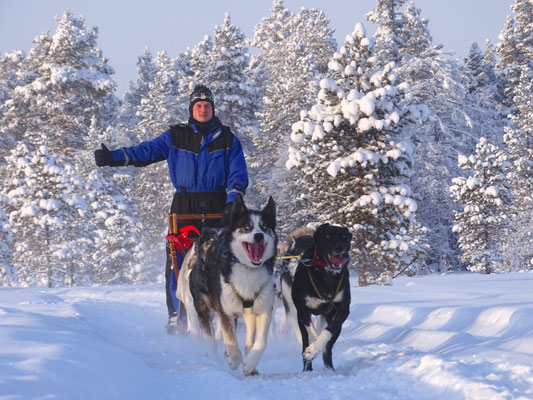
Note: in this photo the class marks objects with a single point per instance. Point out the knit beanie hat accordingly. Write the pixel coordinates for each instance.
(201, 93)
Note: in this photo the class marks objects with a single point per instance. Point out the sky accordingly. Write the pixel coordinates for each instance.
(459, 336)
(126, 27)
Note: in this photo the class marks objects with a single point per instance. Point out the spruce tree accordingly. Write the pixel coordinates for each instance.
(12, 75)
(311, 29)
(43, 204)
(73, 86)
(230, 80)
(474, 62)
(352, 160)
(388, 17)
(486, 86)
(184, 74)
(492, 76)
(8, 276)
(515, 49)
(293, 62)
(519, 140)
(415, 38)
(136, 92)
(484, 197)
(459, 111)
(117, 250)
(200, 65)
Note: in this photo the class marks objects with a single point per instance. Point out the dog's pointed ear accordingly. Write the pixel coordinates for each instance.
(238, 207)
(269, 213)
(319, 230)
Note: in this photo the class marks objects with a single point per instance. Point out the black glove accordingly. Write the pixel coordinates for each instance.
(226, 214)
(103, 156)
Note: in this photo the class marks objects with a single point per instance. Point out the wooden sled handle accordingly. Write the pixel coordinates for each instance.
(186, 217)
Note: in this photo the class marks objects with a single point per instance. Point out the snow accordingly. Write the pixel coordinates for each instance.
(492, 191)
(454, 336)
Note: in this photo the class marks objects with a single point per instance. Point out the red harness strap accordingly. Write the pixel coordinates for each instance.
(181, 241)
(317, 262)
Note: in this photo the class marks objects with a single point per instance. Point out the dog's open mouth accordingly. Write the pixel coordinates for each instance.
(338, 260)
(255, 251)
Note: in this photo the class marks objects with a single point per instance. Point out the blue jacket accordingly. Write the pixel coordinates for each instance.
(196, 163)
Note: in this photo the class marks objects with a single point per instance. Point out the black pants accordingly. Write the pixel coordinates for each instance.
(192, 203)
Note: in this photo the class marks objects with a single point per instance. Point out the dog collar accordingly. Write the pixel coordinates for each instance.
(266, 264)
(318, 263)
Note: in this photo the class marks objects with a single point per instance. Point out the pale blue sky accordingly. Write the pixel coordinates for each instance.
(127, 26)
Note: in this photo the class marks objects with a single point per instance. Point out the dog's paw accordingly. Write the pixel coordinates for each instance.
(317, 346)
(233, 355)
(255, 372)
(250, 362)
(312, 351)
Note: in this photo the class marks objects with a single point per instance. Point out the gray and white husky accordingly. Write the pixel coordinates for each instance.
(233, 277)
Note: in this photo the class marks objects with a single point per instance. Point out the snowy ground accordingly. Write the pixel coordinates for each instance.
(459, 336)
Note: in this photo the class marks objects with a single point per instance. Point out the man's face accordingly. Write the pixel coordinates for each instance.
(202, 111)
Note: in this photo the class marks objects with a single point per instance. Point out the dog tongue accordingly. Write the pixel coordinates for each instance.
(255, 251)
(338, 260)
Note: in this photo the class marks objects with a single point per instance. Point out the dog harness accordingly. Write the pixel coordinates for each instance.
(249, 303)
(328, 299)
(314, 261)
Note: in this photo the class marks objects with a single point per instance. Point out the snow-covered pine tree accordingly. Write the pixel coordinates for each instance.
(352, 161)
(269, 32)
(184, 73)
(18, 113)
(492, 76)
(73, 86)
(8, 276)
(43, 208)
(200, 64)
(486, 88)
(516, 46)
(456, 119)
(484, 197)
(272, 30)
(311, 28)
(117, 239)
(388, 17)
(474, 62)
(67, 88)
(295, 51)
(415, 38)
(229, 78)
(442, 84)
(293, 88)
(12, 66)
(519, 140)
(117, 255)
(159, 107)
(137, 91)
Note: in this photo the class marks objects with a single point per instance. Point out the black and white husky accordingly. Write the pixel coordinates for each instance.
(321, 287)
(233, 277)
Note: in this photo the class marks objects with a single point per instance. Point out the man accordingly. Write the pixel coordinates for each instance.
(206, 166)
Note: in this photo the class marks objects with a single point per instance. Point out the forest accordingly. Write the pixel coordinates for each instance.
(425, 157)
